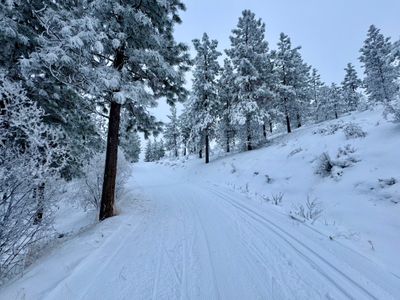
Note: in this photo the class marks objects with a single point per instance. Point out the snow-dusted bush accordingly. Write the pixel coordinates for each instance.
(30, 156)
(92, 181)
(328, 130)
(345, 158)
(277, 198)
(324, 165)
(353, 131)
(311, 210)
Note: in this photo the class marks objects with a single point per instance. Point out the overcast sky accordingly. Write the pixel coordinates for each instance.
(331, 32)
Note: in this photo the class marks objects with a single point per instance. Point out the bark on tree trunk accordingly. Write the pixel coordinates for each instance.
(207, 149)
(201, 153)
(264, 128)
(298, 120)
(270, 127)
(39, 195)
(249, 145)
(228, 149)
(110, 171)
(336, 115)
(289, 130)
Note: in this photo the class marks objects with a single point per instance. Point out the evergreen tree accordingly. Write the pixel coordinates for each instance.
(350, 85)
(21, 31)
(204, 100)
(293, 81)
(227, 101)
(172, 133)
(249, 56)
(186, 129)
(336, 104)
(159, 149)
(148, 153)
(124, 55)
(381, 74)
(315, 85)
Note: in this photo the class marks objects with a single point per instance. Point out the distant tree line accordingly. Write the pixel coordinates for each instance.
(258, 90)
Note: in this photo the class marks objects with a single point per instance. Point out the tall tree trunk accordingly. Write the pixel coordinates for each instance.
(270, 126)
(298, 120)
(207, 148)
(248, 131)
(228, 149)
(110, 171)
(289, 130)
(264, 129)
(184, 150)
(39, 195)
(201, 153)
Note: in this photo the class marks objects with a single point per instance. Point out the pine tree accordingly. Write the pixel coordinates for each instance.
(227, 101)
(20, 35)
(315, 85)
(249, 56)
(381, 74)
(124, 55)
(148, 154)
(336, 104)
(350, 85)
(293, 81)
(172, 133)
(204, 100)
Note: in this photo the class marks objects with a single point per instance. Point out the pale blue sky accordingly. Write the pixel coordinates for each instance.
(330, 32)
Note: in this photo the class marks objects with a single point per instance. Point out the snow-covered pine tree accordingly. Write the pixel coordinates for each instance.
(381, 75)
(148, 152)
(130, 143)
(159, 149)
(123, 54)
(315, 86)
(249, 56)
(186, 130)
(292, 87)
(172, 133)
(204, 98)
(324, 108)
(21, 32)
(227, 101)
(336, 104)
(350, 86)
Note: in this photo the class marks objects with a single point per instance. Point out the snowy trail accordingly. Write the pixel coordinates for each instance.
(195, 240)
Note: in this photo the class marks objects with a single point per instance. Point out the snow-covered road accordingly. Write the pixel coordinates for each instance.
(198, 240)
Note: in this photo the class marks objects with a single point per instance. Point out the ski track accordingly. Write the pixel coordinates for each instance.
(203, 241)
(313, 258)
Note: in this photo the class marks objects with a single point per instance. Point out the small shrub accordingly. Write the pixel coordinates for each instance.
(353, 131)
(268, 178)
(324, 165)
(310, 211)
(276, 199)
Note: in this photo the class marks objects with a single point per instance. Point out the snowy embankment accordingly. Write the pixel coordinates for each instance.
(359, 198)
(186, 230)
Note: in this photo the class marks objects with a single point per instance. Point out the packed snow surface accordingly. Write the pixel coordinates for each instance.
(186, 230)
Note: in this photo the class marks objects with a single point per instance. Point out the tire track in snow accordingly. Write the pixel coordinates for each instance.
(291, 240)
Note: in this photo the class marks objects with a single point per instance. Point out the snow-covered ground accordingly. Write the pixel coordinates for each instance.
(186, 230)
